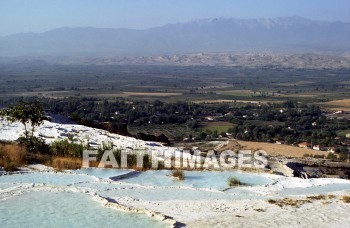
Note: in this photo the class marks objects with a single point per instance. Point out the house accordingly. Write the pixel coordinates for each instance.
(304, 145)
(338, 112)
(331, 150)
(229, 114)
(318, 147)
(209, 118)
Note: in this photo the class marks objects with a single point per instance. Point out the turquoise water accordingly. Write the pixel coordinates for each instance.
(165, 194)
(98, 186)
(102, 173)
(315, 189)
(196, 179)
(46, 178)
(48, 209)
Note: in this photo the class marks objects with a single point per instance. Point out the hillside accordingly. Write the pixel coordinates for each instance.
(285, 34)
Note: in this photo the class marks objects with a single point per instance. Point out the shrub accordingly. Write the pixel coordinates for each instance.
(34, 144)
(319, 156)
(10, 167)
(259, 210)
(272, 201)
(233, 181)
(64, 148)
(346, 199)
(178, 174)
(332, 156)
(289, 202)
(343, 156)
(317, 197)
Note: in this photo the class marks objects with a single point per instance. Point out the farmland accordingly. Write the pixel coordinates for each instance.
(262, 104)
(204, 84)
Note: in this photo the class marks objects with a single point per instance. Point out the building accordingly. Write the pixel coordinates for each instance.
(331, 150)
(209, 118)
(304, 145)
(319, 147)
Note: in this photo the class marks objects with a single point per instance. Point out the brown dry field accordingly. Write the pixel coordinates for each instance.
(152, 94)
(343, 104)
(294, 83)
(298, 95)
(237, 92)
(276, 149)
(128, 94)
(226, 101)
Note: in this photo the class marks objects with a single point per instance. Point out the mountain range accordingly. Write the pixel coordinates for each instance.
(284, 34)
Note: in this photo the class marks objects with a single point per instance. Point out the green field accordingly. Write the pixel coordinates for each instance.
(343, 132)
(216, 126)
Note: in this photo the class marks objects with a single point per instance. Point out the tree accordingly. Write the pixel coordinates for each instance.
(29, 114)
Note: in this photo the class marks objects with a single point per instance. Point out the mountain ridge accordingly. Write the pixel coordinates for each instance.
(290, 34)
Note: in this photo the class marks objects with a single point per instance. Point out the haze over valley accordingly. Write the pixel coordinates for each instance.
(283, 34)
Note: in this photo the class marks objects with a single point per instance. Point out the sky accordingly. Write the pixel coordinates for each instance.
(42, 15)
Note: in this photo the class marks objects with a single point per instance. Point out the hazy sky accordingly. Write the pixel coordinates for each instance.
(42, 15)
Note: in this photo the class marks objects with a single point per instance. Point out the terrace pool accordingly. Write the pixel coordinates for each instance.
(64, 209)
(60, 179)
(196, 179)
(315, 189)
(102, 173)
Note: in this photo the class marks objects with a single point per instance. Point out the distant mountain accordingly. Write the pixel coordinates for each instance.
(285, 34)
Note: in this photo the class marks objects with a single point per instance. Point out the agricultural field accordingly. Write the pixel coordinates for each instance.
(261, 104)
(204, 84)
(216, 126)
(343, 104)
(343, 132)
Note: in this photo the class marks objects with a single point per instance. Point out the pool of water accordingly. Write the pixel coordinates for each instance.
(62, 209)
(196, 179)
(40, 208)
(98, 186)
(165, 194)
(102, 173)
(315, 189)
(46, 178)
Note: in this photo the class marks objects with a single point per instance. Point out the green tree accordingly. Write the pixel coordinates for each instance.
(29, 114)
